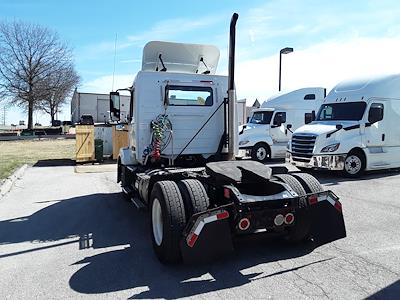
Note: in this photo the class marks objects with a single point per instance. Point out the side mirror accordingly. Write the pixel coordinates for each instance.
(288, 126)
(375, 113)
(115, 106)
(247, 119)
(279, 119)
(339, 126)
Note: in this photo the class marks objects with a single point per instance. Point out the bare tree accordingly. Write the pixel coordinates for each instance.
(30, 55)
(60, 87)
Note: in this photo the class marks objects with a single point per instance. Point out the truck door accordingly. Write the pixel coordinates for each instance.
(279, 134)
(375, 129)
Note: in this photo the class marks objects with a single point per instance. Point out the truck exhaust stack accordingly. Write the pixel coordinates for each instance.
(232, 128)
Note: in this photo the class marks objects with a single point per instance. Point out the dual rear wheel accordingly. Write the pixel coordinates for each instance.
(172, 204)
(302, 184)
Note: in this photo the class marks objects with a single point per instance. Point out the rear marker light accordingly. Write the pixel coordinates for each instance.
(279, 219)
(289, 218)
(227, 193)
(312, 199)
(244, 224)
(223, 215)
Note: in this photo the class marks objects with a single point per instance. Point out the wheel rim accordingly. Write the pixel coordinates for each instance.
(353, 164)
(156, 217)
(261, 153)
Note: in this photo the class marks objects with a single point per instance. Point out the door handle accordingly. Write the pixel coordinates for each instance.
(383, 137)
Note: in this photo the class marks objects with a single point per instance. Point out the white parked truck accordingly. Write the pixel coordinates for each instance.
(266, 134)
(356, 129)
(180, 163)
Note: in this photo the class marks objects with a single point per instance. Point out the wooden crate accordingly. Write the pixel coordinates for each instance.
(84, 146)
(120, 139)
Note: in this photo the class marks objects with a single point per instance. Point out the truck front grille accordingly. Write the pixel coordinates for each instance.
(302, 147)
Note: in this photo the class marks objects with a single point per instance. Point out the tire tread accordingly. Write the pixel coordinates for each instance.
(309, 182)
(177, 220)
(197, 198)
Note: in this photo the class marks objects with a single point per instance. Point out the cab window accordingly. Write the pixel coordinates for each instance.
(189, 96)
(261, 117)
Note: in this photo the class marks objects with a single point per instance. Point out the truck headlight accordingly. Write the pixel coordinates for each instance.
(241, 143)
(331, 148)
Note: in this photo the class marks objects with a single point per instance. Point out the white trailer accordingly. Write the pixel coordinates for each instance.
(356, 129)
(97, 105)
(270, 127)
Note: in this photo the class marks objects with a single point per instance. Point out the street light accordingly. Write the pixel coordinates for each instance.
(283, 51)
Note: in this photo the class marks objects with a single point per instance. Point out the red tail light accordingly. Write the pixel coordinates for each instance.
(244, 224)
(312, 199)
(289, 218)
(227, 193)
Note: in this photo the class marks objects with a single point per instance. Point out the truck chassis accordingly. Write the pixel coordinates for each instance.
(197, 212)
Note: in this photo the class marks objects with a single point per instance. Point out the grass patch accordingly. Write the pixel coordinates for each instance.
(14, 154)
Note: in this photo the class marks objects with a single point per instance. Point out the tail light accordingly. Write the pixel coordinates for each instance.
(244, 224)
(289, 218)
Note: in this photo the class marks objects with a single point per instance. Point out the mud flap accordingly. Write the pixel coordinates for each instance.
(327, 223)
(213, 242)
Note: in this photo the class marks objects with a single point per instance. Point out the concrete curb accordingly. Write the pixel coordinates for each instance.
(6, 186)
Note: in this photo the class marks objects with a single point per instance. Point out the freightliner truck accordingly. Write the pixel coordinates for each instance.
(270, 127)
(356, 129)
(180, 163)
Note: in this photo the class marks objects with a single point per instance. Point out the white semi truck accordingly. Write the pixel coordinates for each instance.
(356, 129)
(180, 163)
(266, 134)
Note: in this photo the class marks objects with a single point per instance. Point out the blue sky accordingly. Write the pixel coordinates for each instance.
(332, 40)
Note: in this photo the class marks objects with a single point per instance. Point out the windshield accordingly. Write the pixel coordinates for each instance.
(261, 117)
(351, 111)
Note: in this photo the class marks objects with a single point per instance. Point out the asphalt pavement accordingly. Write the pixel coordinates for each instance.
(68, 235)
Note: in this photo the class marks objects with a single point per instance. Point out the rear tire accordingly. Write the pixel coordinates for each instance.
(168, 219)
(300, 231)
(293, 182)
(260, 152)
(309, 182)
(194, 196)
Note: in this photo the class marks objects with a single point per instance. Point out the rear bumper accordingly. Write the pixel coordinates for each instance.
(328, 162)
(209, 234)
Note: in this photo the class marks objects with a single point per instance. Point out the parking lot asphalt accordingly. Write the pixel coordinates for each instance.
(68, 235)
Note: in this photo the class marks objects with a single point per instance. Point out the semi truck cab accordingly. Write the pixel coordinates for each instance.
(355, 129)
(180, 164)
(270, 127)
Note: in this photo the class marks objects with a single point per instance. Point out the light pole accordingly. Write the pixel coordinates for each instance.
(283, 51)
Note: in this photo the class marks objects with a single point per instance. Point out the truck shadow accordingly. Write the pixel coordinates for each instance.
(61, 162)
(392, 291)
(107, 222)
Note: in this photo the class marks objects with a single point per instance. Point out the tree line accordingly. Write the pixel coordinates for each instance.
(36, 68)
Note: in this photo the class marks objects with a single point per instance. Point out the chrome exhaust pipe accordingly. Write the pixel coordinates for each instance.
(232, 128)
